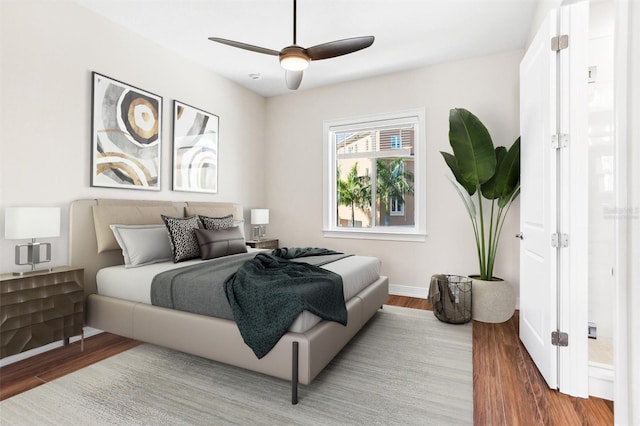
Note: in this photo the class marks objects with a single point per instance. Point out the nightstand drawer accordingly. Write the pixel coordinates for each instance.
(263, 244)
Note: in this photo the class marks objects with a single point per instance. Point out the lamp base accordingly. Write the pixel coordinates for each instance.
(34, 257)
(33, 271)
(258, 233)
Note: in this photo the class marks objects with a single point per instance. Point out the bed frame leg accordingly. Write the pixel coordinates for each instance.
(294, 373)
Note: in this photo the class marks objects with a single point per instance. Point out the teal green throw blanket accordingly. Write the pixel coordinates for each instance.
(300, 252)
(267, 293)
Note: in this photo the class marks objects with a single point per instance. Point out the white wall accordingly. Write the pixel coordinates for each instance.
(601, 177)
(627, 322)
(487, 86)
(48, 50)
(542, 10)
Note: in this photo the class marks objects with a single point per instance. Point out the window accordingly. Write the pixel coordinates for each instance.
(396, 206)
(396, 141)
(374, 176)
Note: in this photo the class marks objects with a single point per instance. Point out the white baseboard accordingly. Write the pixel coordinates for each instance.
(408, 291)
(419, 292)
(88, 332)
(601, 380)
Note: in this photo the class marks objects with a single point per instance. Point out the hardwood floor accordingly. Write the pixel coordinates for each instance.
(507, 388)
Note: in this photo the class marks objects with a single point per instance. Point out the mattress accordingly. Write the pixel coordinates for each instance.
(134, 284)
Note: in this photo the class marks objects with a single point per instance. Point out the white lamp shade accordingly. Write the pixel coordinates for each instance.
(259, 216)
(31, 222)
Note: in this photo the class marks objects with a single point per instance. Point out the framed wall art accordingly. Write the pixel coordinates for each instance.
(195, 149)
(126, 131)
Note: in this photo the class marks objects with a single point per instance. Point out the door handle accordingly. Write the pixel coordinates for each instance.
(520, 236)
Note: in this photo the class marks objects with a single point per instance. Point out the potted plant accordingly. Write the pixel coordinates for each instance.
(491, 176)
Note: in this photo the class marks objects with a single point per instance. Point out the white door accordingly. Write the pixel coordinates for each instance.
(573, 200)
(538, 203)
(553, 277)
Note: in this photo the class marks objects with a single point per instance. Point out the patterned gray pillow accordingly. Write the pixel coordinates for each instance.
(215, 223)
(184, 244)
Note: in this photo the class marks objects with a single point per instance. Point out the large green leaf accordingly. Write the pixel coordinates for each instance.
(490, 189)
(508, 175)
(472, 147)
(453, 166)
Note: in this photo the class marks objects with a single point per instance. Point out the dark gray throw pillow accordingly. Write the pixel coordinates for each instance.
(220, 242)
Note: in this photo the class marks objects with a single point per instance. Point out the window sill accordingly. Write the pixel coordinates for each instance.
(387, 235)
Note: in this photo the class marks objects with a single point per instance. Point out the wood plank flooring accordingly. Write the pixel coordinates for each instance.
(507, 388)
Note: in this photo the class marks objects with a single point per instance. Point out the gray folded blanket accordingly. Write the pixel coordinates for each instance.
(434, 288)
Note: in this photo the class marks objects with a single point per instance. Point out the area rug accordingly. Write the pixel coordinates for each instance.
(405, 367)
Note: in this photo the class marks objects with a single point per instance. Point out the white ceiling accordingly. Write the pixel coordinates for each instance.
(408, 33)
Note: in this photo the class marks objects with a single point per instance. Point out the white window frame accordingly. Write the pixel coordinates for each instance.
(401, 233)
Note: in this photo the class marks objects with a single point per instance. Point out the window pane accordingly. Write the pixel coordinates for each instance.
(394, 191)
(354, 192)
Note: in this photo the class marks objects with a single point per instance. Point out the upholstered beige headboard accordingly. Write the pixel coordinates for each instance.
(91, 242)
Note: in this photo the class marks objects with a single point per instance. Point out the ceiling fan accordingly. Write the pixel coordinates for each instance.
(294, 59)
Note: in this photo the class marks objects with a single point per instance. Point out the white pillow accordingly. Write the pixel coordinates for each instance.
(142, 244)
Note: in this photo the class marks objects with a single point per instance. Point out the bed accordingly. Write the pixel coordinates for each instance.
(300, 354)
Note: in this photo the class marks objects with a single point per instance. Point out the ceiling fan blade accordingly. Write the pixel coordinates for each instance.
(293, 79)
(339, 47)
(245, 46)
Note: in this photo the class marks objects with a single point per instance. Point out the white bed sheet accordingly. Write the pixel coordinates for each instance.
(134, 284)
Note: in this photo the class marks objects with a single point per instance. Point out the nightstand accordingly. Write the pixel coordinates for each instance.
(38, 309)
(263, 244)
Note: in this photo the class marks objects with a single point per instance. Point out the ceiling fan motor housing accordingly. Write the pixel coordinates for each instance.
(294, 58)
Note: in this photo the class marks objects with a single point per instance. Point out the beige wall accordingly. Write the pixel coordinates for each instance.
(48, 50)
(487, 86)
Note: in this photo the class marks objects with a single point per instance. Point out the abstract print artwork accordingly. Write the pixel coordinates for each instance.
(126, 132)
(195, 149)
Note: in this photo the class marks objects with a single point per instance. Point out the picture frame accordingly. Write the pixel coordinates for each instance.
(126, 134)
(195, 149)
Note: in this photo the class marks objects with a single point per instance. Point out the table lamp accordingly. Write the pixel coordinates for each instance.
(259, 218)
(21, 223)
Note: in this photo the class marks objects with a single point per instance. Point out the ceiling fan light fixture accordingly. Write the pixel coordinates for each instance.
(294, 58)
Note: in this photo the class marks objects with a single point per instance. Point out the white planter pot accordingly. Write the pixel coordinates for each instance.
(492, 301)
